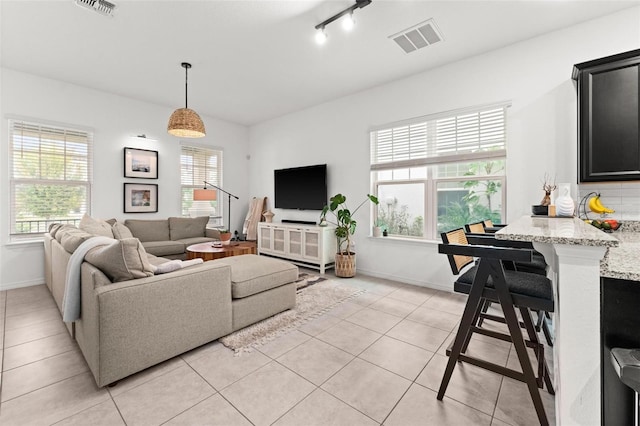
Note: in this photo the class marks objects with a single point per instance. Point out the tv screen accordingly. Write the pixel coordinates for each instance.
(301, 188)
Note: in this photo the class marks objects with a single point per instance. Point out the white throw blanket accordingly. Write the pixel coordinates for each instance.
(71, 299)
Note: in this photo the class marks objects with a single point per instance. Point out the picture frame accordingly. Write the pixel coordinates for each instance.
(140, 163)
(140, 198)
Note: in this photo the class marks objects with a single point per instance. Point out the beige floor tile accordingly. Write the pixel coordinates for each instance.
(452, 303)
(480, 349)
(283, 344)
(497, 422)
(516, 407)
(473, 386)
(413, 294)
(382, 289)
(345, 310)
(318, 325)
(213, 411)
(222, 368)
(433, 318)
(30, 318)
(419, 406)
(29, 306)
(266, 394)
(349, 337)
(202, 350)
(367, 388)
(26, 353)
(105, 414)
(315, 360)
(398, 357)
(366, 299)
(145, 376)
(28, 294)
(320, 408)
(393, 307)
(374, 320)
(33, 332)
(48, 405)
(418, 334)
(36, 375)
(163, 398)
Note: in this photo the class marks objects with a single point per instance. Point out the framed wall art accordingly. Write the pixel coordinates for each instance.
(140, 163)
(140, 198)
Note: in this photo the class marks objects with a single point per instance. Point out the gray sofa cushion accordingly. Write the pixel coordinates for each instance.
(251, 274)
(121, 261)
(71, 238)
(149, 230)
(120, 231)
(187, 227)
(164, 248)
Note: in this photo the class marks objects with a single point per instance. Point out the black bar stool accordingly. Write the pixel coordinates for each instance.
(488, 280)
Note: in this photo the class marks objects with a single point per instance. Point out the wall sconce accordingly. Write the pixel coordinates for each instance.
(347, 22)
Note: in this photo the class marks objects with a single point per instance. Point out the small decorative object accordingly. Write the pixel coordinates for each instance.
(377, 231)
(140, 198)
(268, 216)
(225, 237)
(548, 188)
(345, 265)
(540, 210)
(140, 163)
(385, 233)
(564, 203)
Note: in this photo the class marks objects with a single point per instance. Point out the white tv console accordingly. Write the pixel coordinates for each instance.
(312, 246)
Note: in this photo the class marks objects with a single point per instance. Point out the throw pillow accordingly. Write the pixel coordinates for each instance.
(95, 226)
(187, 227)
(72, 237)
(53, 228)
(120, 231)
(122, 260)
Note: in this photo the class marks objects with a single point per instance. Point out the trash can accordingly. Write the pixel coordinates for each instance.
(626, 362)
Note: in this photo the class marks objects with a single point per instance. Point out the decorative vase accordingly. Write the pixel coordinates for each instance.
(225, 238)
(377, 231)
(345, 265)
(564, 203)
(268, 216)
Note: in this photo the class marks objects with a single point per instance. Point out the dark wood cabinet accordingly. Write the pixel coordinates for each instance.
(609, 118)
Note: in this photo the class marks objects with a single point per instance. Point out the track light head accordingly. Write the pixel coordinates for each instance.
(321, 36)
(348, 22)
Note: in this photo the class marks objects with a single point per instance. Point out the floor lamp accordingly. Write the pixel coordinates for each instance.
(202, 193)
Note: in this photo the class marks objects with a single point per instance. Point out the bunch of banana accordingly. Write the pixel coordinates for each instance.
(596, 206)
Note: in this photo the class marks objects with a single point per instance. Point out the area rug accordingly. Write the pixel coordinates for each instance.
(315, 296)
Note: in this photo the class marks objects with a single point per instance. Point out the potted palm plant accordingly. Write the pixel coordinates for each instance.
(345, 261)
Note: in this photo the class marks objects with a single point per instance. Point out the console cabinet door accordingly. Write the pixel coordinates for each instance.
(609, 121)
(312, 245)
(294, 242)
(265, 239)
(278, 245)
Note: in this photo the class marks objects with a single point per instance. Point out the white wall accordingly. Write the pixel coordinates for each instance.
(534, 75)
(114, 119)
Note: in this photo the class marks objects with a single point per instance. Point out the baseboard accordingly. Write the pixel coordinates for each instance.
(448, 289)
(20, 284)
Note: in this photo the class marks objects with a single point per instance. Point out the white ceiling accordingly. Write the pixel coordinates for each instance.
(256, 60)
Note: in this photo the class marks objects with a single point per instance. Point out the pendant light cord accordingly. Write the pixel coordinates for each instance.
(186, 85)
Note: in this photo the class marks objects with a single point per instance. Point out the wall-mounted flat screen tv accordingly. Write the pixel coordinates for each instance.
(301, 188)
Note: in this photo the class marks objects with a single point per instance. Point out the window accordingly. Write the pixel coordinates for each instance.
(439, 172)
(50, 169)
(197, 165)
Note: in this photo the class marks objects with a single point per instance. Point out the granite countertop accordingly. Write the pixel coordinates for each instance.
(572, 231)
(622, 260)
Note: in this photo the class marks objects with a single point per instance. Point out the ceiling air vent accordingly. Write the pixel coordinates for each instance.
(418, 36)
(103, 7)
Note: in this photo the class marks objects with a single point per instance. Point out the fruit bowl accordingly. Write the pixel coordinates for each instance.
(540, 210)
(606, 225)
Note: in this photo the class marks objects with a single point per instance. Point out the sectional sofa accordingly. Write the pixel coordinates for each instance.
(132, 318)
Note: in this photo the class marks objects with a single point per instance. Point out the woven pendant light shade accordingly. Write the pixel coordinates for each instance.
(186, 123)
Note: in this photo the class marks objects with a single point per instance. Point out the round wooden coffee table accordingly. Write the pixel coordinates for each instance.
(206, 251)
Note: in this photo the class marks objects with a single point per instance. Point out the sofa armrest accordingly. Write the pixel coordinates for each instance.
(142, 322)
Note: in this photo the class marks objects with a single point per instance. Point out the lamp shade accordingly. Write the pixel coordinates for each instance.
(204, 195)
(186, 123)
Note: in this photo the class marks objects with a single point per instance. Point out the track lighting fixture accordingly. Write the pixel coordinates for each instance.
(347, 22)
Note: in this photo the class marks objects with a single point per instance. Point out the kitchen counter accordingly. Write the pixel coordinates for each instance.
(574, 252)
(623, 262)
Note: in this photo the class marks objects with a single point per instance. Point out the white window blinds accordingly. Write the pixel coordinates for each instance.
(449, 137)
(51, 175)
(197, 165)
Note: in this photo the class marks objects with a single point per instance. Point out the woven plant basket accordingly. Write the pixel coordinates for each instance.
(345, 266)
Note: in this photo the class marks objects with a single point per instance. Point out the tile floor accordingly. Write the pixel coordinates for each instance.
(376, 359)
